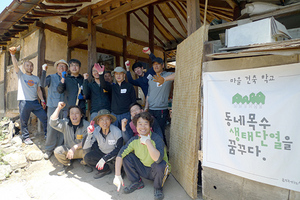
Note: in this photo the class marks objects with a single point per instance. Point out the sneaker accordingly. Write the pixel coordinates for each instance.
(134, 186)
(158, 194)
(87, 169)
(47, 154)
(100, 174)
(64, 170)
(28, 141)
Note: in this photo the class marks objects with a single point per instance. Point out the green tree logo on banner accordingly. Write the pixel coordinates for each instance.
(259, 98)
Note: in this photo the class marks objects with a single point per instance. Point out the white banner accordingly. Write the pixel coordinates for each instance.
(252, 124)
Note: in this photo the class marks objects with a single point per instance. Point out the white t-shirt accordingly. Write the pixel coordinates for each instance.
(27, 86)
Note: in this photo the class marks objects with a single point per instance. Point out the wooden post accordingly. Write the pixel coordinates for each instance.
(193, 16)
(69, 30)
(151, 28)
(92, 48)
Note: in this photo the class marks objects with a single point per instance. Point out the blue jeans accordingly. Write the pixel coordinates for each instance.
(25, 108)
(118, 123)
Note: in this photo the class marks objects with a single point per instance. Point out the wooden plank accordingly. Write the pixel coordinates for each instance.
(181, 10)
(168, 21)
(51, 28)
(141, 21)
(178, 19)
(92, 51)
(133, 5)
(232, 3)
(193, 19)
(77, 41)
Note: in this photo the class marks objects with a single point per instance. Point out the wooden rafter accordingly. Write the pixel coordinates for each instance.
(177, 17)
(141, 21)
(67, 1)
(181, 10)
(168, 21)
(156, 22)
(43, 12)
(127, 7)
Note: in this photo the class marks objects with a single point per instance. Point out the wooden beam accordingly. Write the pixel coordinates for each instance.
(133, 5)
(168, 21)
(92, 48)
(77, 41)
(193, 13)
(69, 35)
(141, 21)
(67, 1)
(232, 3)
(57, 7)
(151, 26)
(112, 33)
(51, 28)
(128, 25)
(181, 10)
(177, 17)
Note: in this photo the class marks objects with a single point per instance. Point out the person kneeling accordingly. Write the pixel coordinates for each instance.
(145, 156)
(74, 130)
(105, 142)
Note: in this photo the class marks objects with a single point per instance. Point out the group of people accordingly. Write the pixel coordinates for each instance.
(120, 129)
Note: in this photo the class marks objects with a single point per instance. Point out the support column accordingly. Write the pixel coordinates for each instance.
(69, 31)
(151, 27)
(92, 48)
(193, 16)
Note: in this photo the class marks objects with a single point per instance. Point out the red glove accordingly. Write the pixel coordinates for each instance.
(91, 127)
(99, 68)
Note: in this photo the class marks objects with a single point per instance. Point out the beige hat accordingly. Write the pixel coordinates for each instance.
(102, 113)
(119, 69)
(61, 61)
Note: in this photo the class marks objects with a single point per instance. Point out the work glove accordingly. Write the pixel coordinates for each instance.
(127, 64)
(100, 164)
(64, 74)
(144, 138)
(45, 67)
(146, 50)
(118, 181)
(99, 68)
(91, 128)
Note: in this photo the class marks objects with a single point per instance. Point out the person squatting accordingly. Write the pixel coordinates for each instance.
(120, 130)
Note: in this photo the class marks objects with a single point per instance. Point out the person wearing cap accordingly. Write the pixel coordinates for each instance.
(54, 137)
(158, 93)
(72, 86)
(128, 133)
(144, 155)
(28, 92)
(105, 142)
(74, 129)
(99, 98)
(123, 94)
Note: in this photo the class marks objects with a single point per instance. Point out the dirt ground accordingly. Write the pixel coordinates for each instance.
(39, 181)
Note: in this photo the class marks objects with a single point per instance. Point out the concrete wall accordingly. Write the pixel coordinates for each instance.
(219, 185)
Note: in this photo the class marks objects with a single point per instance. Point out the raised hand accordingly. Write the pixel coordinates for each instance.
(45, 67)
(91, 128)
(61, 105)
(85, 75)
(144, 138)
(159, 79)
(127, 64)
(99, 68)
(123, 124)
(146, 50)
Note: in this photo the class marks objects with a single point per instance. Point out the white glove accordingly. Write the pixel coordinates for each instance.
(100, 164)
(146, 50)
(45, 66)
(127, 64)
(118, 181)
(143, 138)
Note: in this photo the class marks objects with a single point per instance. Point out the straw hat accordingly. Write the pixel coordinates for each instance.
(61, 61)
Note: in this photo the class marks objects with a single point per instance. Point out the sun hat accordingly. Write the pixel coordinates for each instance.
(61, 61)
(102, 113)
